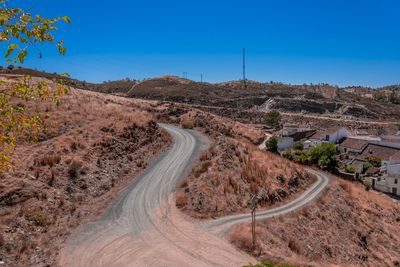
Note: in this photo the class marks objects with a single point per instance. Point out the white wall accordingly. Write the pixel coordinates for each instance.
(393, 169)
(285, 143)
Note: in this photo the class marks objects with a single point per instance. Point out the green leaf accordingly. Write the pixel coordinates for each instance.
(66, 19)
(22, 55)
(11, 49)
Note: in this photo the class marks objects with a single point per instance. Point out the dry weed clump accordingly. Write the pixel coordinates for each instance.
(295, 246)
(346, 186)
(242, 238)
(37, 216)
(48, 160)
(74, 168)
(186, 124)
(181, 199)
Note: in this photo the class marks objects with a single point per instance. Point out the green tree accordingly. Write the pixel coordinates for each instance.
(20, 30)
(272, 144)
(274, 119)
(325, 156)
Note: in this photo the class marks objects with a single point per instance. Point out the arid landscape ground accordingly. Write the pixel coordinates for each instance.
(95, 144)
(347, 226)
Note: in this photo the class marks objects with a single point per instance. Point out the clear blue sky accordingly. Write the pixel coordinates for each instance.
(343, 42)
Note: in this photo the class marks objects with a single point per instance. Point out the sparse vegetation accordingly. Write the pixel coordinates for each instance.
(367, 186)
(20, 30)
(187, 124)
(274, 119)
(350, 169)
(74, 168)
(268, 263)
(272, 144)
(37, 216)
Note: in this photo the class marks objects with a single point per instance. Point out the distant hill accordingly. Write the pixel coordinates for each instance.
(319, 99)
(115, 87)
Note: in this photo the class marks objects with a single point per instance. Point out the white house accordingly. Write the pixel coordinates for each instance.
(285, 142)
(332, 135)
(387, 184)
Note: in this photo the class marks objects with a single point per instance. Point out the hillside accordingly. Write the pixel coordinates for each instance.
(306, 99)
(347, 226)
(92, 148)
(320, 99)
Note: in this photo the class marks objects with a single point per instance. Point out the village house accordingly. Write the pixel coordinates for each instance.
(285, 143)
(386, 184)
(382, 152)
(353, 146)
(332, 135)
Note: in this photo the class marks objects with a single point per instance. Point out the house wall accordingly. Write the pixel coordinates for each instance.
(393, 169)
(335, 137)
(285, 143)
(393, 182)
(386, 184)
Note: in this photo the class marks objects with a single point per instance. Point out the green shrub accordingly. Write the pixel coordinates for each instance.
(301, 157)
(273, 119)
(298, 146)
(325, 156)
(350, 169)
(272, 144)
(367, 166)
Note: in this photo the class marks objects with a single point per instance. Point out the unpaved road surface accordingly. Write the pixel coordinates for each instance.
(144, 228)
(222, 225)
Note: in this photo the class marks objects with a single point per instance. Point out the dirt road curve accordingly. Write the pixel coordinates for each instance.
(222, 225)
(143, 227)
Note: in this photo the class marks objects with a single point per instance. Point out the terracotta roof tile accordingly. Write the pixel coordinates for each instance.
(352, 143)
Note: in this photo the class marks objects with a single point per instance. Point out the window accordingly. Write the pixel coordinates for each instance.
(395, 181)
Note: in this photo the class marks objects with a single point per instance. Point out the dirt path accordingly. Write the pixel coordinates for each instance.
(144, 228)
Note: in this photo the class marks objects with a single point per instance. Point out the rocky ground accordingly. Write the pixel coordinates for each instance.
(347, 226)
(92, 147)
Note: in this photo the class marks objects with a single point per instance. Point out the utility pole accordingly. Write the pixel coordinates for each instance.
(254, 203)
(244, 69)
(201, 78)
(185, 74)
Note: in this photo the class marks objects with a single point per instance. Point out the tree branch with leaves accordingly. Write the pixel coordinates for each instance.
(21, 30)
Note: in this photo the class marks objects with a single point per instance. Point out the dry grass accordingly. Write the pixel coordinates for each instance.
(348, 227)
(37, 216)
(230, 171)
(187, 124)
(295, 246)
(84, 157)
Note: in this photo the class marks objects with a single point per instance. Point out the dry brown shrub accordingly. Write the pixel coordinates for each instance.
(181, 199)
(202, 169)
(2, 241)
(295, 246)
(49, 160)
(187, 124)
(241, 237)
(37, 216)
(346, 186)
(74, 168)
(254, 187)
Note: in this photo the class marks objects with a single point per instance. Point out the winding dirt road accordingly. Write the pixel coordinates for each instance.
(144, 228)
